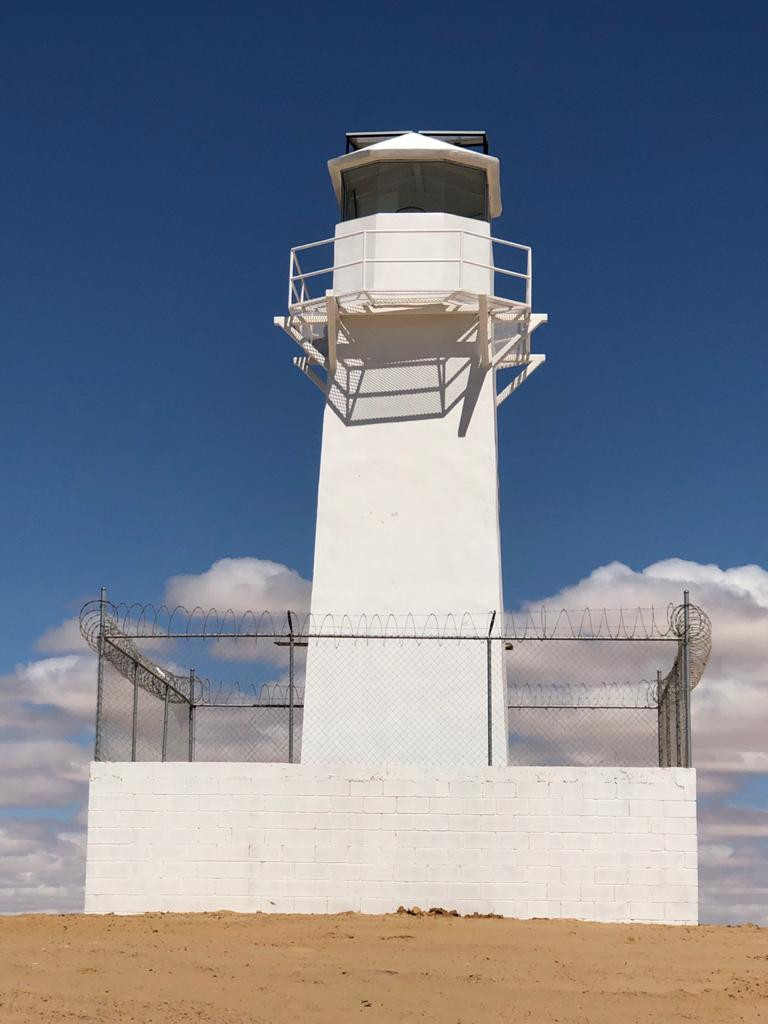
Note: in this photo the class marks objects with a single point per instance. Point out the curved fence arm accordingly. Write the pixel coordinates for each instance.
(693, 630)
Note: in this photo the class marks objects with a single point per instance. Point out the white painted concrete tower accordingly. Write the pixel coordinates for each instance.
(406, 321)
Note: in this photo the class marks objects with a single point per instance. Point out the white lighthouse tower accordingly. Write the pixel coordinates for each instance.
(406, 318)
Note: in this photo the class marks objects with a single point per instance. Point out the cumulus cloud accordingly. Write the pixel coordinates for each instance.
(46, 715)
(67, 683)
(244, 585)
(240, 585)
(62, 639)
(46, 709)
(42, 867)
(733, 879)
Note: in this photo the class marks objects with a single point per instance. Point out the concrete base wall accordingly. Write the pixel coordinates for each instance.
(603, 844)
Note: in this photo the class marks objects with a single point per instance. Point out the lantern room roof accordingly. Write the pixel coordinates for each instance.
(415, 146)
(467, 140)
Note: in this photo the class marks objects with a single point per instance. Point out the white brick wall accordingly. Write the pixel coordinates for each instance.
(603, 844)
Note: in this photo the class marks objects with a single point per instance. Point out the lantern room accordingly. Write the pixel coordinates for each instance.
(417, 173)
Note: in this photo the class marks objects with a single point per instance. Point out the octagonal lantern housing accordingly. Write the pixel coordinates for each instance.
(416, 173)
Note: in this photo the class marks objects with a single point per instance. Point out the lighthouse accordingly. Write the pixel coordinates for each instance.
(415, 324)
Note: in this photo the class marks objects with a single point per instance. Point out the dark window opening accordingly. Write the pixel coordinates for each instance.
(402, 186)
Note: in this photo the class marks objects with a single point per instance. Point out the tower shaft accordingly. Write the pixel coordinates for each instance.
(406, 342)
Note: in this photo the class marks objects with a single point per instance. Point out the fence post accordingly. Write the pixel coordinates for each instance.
(135, 717)
(686, 677)
(191, 750)
(489, 686)
(164, 752)
(660, 717)
(668, 725)
(678, 719)
(290, 687)
(100, 675)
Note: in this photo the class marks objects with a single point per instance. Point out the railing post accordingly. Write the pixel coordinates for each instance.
(686, 676)
(191, 749)
(164, 752)
(100, 675)
(489, 686)
(461, 260)
(365, 257)
(484, 336)
(135, 718)
(529, 282)
(290, 687)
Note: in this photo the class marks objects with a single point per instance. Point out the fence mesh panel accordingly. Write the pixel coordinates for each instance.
(116, 715)
(243, 733)
(585, 701)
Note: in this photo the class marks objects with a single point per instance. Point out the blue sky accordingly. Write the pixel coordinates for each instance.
(159, 160)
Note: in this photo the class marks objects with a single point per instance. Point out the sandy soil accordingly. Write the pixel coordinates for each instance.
(233, 969)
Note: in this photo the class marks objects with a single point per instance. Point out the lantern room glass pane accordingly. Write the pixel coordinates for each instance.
(403, 186)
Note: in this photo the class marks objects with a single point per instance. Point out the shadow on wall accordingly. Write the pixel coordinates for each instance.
(432, 369)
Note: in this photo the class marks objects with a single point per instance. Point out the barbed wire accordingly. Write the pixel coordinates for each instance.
(550, 623)
(136, 666)
(699, 639)
(544, 623)
(264, 695)
(163, 622)
(603, 696)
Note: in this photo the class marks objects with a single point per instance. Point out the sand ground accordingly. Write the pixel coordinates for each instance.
(231, 969)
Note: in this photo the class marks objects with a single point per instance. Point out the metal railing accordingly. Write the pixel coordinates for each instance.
(606, 688)
(300, 293)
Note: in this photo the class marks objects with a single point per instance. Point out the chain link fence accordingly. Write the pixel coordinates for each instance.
(579, 688)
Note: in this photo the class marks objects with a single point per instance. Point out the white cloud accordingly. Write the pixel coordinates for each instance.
(240, 585)
(67, 682)
(732, 876)
(43, 772)
(720, 820)
(710, 783)
(46, 707)
(244, 585)
(46, 714)
(617, 585)
(63, 639)
(42, 867)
